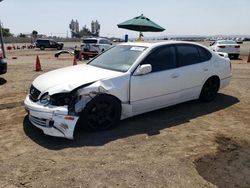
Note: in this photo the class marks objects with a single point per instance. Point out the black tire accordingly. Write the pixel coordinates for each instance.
(210, 89)
(42, 47)
(103, 112)
(86, 57)
(236, 56)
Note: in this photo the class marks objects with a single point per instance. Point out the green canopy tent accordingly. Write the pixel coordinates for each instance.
(141, 24)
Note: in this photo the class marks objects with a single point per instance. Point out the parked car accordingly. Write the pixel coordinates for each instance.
(124, 81)
(228, 46)
(48, 43)
(95, 45)
(239, 40)
(3, 63)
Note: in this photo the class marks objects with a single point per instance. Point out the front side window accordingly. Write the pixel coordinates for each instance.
(161, 59)
(187, 55)
(52, 43)
(119, 58)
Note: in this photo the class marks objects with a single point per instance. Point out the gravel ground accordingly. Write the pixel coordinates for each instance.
(188, 145)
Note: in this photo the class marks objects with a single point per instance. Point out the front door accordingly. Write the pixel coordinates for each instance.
(160, 87)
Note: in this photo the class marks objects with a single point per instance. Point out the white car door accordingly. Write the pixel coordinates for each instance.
(158, 88)
(194, 62)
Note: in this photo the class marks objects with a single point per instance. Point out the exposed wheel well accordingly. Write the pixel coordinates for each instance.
(114, 97)
(82, 119)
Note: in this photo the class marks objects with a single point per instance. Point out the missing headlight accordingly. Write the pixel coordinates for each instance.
(61, 99)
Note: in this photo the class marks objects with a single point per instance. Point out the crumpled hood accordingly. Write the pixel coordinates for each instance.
(68, 78)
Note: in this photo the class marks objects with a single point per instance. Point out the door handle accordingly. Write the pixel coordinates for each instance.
(175, 75)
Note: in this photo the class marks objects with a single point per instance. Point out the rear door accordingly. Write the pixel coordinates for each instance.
(160, 87)
(195, 65)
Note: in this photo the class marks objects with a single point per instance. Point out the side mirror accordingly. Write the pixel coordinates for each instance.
(143, 69)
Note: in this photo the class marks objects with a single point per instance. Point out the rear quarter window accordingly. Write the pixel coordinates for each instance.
(205, 55)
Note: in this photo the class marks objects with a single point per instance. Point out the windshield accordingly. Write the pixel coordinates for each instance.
(119, 58)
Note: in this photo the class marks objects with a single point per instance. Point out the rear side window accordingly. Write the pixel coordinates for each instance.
(101, 42)
(104, 42)
(205, 55)
(90, 41)
(44, 42)
(163, 58)
(188, 55)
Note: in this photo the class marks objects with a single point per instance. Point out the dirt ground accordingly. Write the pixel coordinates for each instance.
(188, 145)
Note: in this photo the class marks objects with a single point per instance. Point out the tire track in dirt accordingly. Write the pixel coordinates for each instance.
(11, 105)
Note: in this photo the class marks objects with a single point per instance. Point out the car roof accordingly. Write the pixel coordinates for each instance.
(94, 38)
(158, 43)
(45, 39)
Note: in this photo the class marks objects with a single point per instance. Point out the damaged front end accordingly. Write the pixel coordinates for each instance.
(57, 114)
(53, 120)
(54, 114)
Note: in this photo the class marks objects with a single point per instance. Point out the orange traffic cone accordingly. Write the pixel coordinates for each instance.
(74, 61)
(38, 64)
(248, 61)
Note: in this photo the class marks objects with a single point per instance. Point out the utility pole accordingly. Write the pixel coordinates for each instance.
(1, 38)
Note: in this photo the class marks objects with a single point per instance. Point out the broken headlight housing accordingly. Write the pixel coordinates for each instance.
(45, 99)
(62, 99)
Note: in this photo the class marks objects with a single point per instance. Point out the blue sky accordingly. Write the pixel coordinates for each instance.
(178, 17)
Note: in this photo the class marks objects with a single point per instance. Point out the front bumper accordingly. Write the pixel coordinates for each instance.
(52, 120)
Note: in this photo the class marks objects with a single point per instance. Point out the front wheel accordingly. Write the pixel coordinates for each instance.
(101, 113)
(209, 90)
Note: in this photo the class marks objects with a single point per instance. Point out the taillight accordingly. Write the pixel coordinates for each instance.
(222, 46)
(237, 46)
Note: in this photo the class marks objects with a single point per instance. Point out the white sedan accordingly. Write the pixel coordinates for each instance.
(227, 46)
(126, 80)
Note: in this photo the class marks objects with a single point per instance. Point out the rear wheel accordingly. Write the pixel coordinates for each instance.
(210, 89)
(101, 113)
(236, 56)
